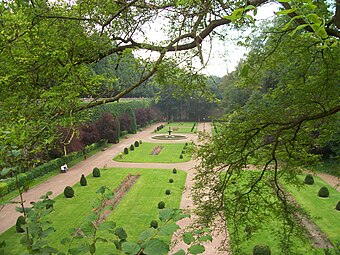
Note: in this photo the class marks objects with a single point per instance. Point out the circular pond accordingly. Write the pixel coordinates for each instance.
(169, 137)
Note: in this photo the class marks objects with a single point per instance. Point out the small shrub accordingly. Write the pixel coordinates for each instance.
(18, 225)
(171, 180)
(132, 148)
(140, 142)
(96, 172)
(161, 205)
(154, 224)
(174, 171)
(136, 144)
(83, 181)
(183, 151)
(323, 192)
(337, 207)
(181, 156)
(309, 179)
(126, 151)
(261, 249)
(68, 192)
(167, 192)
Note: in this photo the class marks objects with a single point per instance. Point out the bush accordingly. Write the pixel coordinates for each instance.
(171, 180)
(68, 192)
(96, 172)
(140, 142)
(174, 171)
(161, 205)
(337, 207)
(309, 179)
(167, 192)
(83, 181)
(136, 144)
(323, 192)
(154, 224)
(18, 225)
(261, 249)
(126, 151)
(3, 188)
(132, 148)
(181, 156)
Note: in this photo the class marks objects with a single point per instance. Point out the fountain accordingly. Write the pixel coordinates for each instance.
(170, 136)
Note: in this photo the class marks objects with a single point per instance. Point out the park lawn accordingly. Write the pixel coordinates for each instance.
(179, 127)
(322, 210)
(267, 233)
(169, 154)
(70, 213)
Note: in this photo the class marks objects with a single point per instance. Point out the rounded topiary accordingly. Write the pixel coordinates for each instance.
(337, 207)
(309, 179)
(261, 249)
(174, 171)
(18, 225)
(167, 192)
(181, 156)
(323, 192)
(132, 148)
(154, 224)
(171, 180)
(140, 142)
(126, 151)
(83, 181)
(136, 144)
(96, 172)
(68, 192)
(161, 205)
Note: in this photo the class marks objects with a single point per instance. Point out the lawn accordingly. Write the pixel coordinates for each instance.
(170, 153)
(267, 231)
(322, 210)
(135, 211)
(179, 127)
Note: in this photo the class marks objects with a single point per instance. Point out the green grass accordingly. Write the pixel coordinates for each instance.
(322, 210)
(32, 183)
(178, 127)
(135, 211)
(169, 154)
(266, 231)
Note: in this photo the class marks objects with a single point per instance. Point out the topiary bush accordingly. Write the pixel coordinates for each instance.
(309, 179)
(161, 205)
(126, 151)
(68, 192)
(136, 144)
(154, 224)
(140, 142)
(167, 192)
(18, 225)
(323, 192)
(337, 207)
(261, 249)
(132, 148)
(171, 180)
(83, 181)
(174, 171)
(181, 156)
(96, 172)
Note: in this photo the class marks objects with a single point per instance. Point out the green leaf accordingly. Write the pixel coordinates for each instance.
(249, 7)
(101, 190)
(166, 214)
(6, 170)
(180, 252)
(297, 29)
(284, 12)
(146, 234)
(245, 70)
(180, 216)
(168, 229)
(92, 248)
(65, 240)
(155, 247)
(196, 249)
(188, 238)
(100, 239)
(130, 248)
(205, 238)
(120, 233)
(107, 225)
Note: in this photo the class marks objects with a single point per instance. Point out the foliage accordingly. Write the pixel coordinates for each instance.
(126, 150)
(132, 148)
(136, 144)
(96, 172)
(309, 179)
(68, 192)
(83, 181)
(323, 192)
(171, 180)
(174, 171)
(21, 221)
(161, 205)
(167, 192)
(154, 224)
(261, 249)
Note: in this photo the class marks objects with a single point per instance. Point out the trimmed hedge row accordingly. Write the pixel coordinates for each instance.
(9, 184)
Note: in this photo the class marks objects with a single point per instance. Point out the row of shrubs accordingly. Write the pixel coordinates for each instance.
(132, 146)
(9, 184)
(160, 127)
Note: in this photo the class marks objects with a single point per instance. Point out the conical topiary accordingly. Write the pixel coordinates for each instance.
(83, 181)
(309, 179)
(68, 192)
(261, 249)
(167, 192)
(323, 192)
(136, 144)
(154, 224)
(174, 171)
(161, 205)
(18, 225)
(337, 207)
(171, 180)
(126, 151)
(132, 148)
(96, 172)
